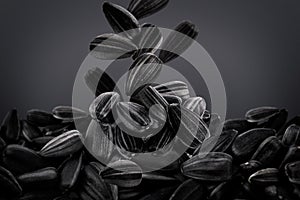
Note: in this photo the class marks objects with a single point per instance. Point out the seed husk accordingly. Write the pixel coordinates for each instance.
(177, 88)
(292, 171)
(68, 113)
(40, 178)
(70, 171)
(149, 39)
(188, 125)
(213, 166)
(20, 160)
(63, 145)
(291, 136)
(145, 8)
(144, 70)
(8, 183)
(99, 142)
(12, 125)
(261, 114)
(123, 173)
(121, 20)
(268, 151)
(132, 118)
(41, 118)
(195, 104)
(265, 177)
(189, 190)
(178, 43)
(93, 186)
(101, 108)
(246, 143)
(112, 46)
(30, 131)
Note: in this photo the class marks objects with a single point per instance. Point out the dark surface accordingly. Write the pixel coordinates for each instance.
(255, 44)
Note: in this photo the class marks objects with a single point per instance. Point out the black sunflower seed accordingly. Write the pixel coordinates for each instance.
(12, 130)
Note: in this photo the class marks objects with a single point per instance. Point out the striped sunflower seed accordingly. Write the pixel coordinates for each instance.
(246, 143)
(128, 142)
(213, 166)
(292, 171)
(132, 117)
(149, 40)
(41, 118)
(172, 99)
(188, 125)
(20, 160)
(42, 177)
(144, 70)
(294, 120)
(93, 186)
(8, 184)
(99, 81)
(99, 144)
(268, 151)
(178, 43)
(121, 20)
(63, 145)
(214, 124)
(68, 113)
(291, 136)
(261, 114)
(101, 108)
(12, 125)
(189, 190)
(112, 46)
(177, 88)
(123, 173)
(144, 8)
(265, 177)
(70, 171)
(195, 104)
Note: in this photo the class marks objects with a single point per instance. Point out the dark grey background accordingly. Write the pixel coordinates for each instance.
(255, 44)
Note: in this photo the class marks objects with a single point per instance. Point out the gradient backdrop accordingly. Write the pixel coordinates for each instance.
(255, 44)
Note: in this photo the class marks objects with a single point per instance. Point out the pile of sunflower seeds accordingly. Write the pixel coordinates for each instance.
(45, 156)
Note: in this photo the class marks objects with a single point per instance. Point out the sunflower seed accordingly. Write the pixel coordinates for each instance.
(177, 88)
(41, 118)
(246, 143)
(121, 20)
(268, 151)
(241, 125)
(70, 171)
(265, 177)
(292, 155)
(42, 177)
(178, 43)
(277, 121)
(29, 131)
(127, 142)
(172, 99)
(144, 70)
(292, 171)
(112, 46)
(12, 125)
(99, 144)
(8, 183)
(68, 113)
(225, 141)
(20, 160)
(63, 145)
(101, 108)
(195, 104)
(144, 8)
(213, 166)
(291, 136)
(188, 125)
(39, 142)
(93, 187)
(189, 190)
(132, 117)
(123, 173)
(261, 114)
(294, 120)
(149, 40)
